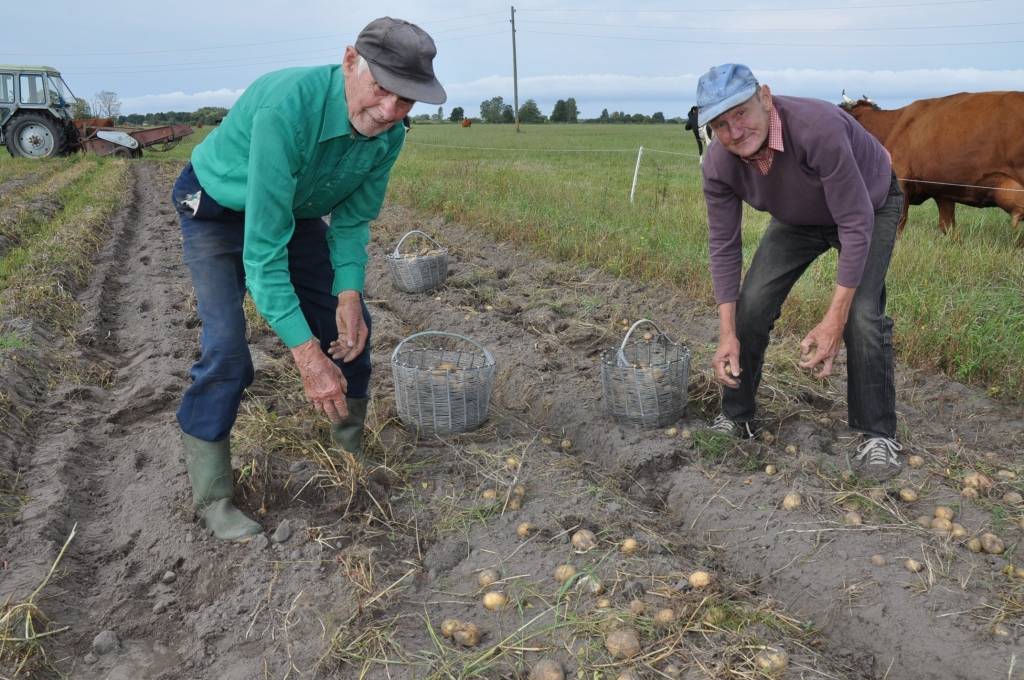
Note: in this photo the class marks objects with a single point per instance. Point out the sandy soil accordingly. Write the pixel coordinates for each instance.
(354, 581)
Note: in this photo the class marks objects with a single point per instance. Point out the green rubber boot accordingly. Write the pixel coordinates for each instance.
(348, 434)
(209, 470)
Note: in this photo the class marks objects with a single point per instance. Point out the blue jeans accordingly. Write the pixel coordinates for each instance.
(213, 254)
(783, 255)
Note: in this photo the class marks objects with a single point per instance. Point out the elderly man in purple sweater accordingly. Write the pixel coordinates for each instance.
(826, 183)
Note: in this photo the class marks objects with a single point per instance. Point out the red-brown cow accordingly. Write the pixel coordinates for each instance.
(939, 145)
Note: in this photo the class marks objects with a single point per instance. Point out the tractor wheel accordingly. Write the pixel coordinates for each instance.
(34, 135)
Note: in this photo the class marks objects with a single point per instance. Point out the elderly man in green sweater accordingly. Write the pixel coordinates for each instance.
(298, 144)
(827, 183)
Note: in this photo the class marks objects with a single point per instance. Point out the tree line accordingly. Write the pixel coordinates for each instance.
(495, 110)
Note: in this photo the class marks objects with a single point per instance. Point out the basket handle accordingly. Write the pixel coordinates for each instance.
(414, 231)
(620, 354)
(487, 354)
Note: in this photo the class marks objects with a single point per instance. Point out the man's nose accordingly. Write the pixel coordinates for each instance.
(389, 106)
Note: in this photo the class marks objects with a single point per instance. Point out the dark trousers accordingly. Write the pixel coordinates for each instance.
(783, 255)
(213, 253)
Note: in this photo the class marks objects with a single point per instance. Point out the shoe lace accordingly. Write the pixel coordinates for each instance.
(722, 423)
(879, 451)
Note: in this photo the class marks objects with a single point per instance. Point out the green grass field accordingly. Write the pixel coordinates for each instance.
(564, 189)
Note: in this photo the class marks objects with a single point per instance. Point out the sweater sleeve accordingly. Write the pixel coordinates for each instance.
(725, 243)
(847, 198)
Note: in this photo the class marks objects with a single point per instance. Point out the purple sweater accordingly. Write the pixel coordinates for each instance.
(833, 172)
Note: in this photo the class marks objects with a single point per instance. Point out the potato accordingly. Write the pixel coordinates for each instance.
(672, 432)
(524, 530)
(908, 495)
(792, 450)
(1006, 475)
(672, 671)
(495, 600)
(944, 512)
(767, 437)
(958, 531)
(467, 635)
(913, 565)
(915, 461)
(488, 308)
(603, 603)
(547, 441)
(515, 503)
(772, 661)
(941, 525)
(448, 627)
(992, 544)
(547, 669)
(770, 470)
(853, 518)
(447, 366)
(512, 463)
(792, 501)
(648, 336)
(637, 607)
(978, 481)
(1000, 631)
(564, 572)
(878, 494)
(584, 540)
(629, 546)
(664, 617)
(566, 444)
(969, 492)
(974, 545)
(623, 643)
(878, 560)
(699, 579)
(519, 490)
(487, 576)
(824, 421)
(686, 434)
(924, 522)
(489, 495)
(1013, 498)
(715, 616)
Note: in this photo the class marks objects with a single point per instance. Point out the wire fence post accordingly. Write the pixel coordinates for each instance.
(636, 173)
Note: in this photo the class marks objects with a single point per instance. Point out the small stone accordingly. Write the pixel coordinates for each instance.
(259, 543)
(282, 533)
(878, 560)
(168, 577)
(90, 658)
(105, 642)
(160, 607)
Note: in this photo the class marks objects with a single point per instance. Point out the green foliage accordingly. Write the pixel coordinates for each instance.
(457, 114)
(491, 110)
(530, 113)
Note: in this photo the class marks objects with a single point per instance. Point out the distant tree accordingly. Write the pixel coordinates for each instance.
(604, 118)
(617, 117)
(507, 114)
(558, 113)
(658, 117)
(422, 117)
(440, 114)
(530, 113)
(80, 109)
(106, 105)
(639, 118)
(491, 110)
(457, 114)
(572, 112)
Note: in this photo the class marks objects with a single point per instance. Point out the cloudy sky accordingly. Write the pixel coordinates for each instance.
(630, 55)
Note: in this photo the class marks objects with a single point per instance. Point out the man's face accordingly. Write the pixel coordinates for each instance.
(743, 129)
(371, 109)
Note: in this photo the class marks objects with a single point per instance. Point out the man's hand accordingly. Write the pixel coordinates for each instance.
(322, 380)
(352, 330)
(727, 361)
(820, 347)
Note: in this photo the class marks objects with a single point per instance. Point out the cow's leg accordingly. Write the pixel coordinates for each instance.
(1011, 199)
(947, 214)
(904, 213)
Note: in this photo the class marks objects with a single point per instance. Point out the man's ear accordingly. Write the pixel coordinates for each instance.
(349, 60)
(766, 95)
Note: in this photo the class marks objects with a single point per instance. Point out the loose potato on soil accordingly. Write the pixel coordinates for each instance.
(495, 600)
(603, 603)
(564, 572)
(1013, 498)
(772, 661)
(515, 503)
(590, 584)
(519, 490)
(908, 495)
(524, 530)
(792, 450)
(547, 669)
(969, 493)
(924, 521)
(489, 495)
(566, 444)
(629, 546)
(512, 463)
(770, 470)
(913, 565)
(1006, 475)
(878, 560)
(792, 501)
(467, 635)
(449, 626)
(853, 518)
(487, 576)
(915, 461)
(944, 512)
(992, 544)
(958, 531)
(974, 545)
(699, 579)
(942, 525)
(977, 480)
(584, 540)
(637, 607)
(664, 617)
(672, 432)
(623, 643)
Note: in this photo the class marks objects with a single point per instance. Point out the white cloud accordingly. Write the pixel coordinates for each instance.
(180, 101)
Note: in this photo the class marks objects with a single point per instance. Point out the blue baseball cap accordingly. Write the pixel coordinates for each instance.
(722, 88)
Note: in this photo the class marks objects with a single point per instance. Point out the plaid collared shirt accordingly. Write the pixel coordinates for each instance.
(763, 161)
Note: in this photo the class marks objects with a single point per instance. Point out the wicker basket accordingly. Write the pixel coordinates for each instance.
(645, 381)
(417, 272)
(442, 391)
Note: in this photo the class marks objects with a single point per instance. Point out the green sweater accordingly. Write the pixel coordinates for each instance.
(286, 151)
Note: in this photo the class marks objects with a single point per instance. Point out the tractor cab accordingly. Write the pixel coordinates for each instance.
(35, 112)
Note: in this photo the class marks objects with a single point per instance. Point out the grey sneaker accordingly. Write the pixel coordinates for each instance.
(878, 459)
(734, 428)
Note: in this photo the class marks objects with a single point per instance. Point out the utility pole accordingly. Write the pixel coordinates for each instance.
(515, 73)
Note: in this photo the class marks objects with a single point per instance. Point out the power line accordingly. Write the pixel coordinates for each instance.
(779, 44)
(726, 29)
(705, 9)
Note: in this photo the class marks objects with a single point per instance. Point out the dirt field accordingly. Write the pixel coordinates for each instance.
(353, 579)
